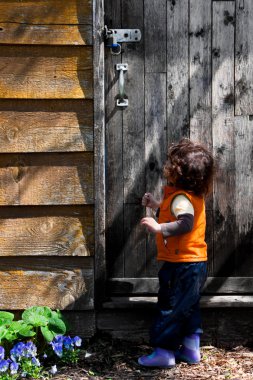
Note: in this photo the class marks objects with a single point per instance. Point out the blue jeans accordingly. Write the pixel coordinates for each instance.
(178, 312)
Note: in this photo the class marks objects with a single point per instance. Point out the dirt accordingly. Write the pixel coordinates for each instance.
(104, 358)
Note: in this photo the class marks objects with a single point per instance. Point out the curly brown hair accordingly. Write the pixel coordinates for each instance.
(190, 166)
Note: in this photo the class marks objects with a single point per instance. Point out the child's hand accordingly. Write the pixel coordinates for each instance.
(148, 200)
(151, 225)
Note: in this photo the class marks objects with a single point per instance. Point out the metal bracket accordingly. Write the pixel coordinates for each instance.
(115, 37)
(122, 101)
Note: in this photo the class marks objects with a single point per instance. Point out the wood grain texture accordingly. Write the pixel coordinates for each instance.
(155, 149)
(213, 285)
(47, 235)
(48, 12)
(200, 29)
(24, 34)
(46, 72)
(114, 158)
(59, 284)
(155, 35)
(46, 126)
(99, 152)
(244, 58)
(133, 115)
(134, 241)
(244, 199)
(177, 70)
(46, 179)
(223, 137)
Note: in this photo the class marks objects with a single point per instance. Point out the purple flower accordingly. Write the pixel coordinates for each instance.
(67, 342)
(14, 367)
(57, 348)
(4, 365)
(30, 350)
(77, 341)
(2, 352)
(18, 351)
(36, 362)
(58, 339)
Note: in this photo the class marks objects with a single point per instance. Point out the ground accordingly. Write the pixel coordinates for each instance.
(104, 358)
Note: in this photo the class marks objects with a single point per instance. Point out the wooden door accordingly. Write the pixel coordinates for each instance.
(189, 76)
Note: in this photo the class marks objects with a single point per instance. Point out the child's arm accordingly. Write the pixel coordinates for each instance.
(183, 211)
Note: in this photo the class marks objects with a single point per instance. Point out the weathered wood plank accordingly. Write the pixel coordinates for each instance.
(213, 285)
(47, 235)
(23, 34)
(67, 125)
(133, 115)
(177, 70)
(223, 136)
(205, 302)
(209, 238)
(48, 12)
(222, 326)
(114, 160)
(46, 179)
(155, 35)
(200, 29)
(46, 72)
(155, 148)
(99, 152)
(59, 284)
(134, 241)
(244, 58)
(244, 199)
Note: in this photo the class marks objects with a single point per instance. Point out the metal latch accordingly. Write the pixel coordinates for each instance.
(122, 101)
(115, 37)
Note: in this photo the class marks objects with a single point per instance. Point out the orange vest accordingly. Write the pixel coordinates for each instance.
(189, 247)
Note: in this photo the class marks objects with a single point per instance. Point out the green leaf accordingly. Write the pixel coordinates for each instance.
(6, 317)
(37, 315)
(57, 326)
(27, 331)
(48, 335)
(3, 332)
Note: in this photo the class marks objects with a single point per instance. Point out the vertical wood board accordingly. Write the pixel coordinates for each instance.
(133, 115)
(177, 70)
(155, 35)
(200, 71)
(244, 58)
(114, 154)
(244, 198)
(223, 136)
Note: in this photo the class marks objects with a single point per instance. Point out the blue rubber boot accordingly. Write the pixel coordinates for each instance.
(189, 352)
(159, 358)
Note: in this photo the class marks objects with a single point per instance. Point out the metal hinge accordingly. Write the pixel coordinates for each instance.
(114, 37)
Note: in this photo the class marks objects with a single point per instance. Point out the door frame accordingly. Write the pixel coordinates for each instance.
(99, 152)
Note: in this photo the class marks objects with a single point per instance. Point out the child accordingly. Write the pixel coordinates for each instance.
(180, 238)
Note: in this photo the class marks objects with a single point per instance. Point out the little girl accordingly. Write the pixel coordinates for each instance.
(181, 246)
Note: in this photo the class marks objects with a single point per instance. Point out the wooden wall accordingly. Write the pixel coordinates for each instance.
(190, 76)
(46, 154)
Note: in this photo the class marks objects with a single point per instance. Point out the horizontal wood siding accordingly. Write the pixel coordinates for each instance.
(46, 72)
(46, 154)
(59, 284)
(46, 125)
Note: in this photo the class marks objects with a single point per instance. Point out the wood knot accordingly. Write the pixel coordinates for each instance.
(18, 171)
(228, 18)
(12, 134)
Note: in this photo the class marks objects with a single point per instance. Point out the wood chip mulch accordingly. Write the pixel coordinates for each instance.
(108, 359)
